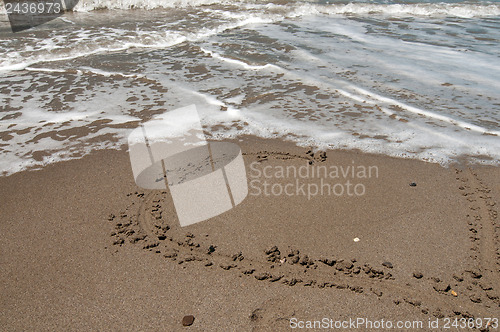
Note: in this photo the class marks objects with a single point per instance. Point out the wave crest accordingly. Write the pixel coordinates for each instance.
(302, 8)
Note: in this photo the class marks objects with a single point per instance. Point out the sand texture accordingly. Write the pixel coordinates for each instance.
(83, 248)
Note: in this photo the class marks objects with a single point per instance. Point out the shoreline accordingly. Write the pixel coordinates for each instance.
(86, 248)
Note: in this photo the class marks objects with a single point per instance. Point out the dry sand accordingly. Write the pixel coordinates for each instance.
(83, 248)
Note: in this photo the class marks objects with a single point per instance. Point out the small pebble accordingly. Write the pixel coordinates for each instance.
(413, 184)
(356, 239)
(262, 276)
(387, 264)
(475, 299)
(188, 320)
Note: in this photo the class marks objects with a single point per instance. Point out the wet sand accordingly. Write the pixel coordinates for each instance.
(84, 248)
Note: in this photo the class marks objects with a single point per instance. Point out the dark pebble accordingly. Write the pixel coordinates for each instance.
(387, 264)
(344, 265)
(272, 250)
(438, 314)
(294, 281)
(329, 262)
(188, 320)
(262, 276)
(304, 260)
(238, 256)
(227, 266)
(275, 278)
(413, 184)
(475, 299)
(442, 287)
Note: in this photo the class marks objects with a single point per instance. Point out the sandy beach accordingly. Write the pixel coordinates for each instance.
(352, 181)
(83, 248)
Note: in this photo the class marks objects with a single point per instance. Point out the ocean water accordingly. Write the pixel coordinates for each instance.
(411, 79)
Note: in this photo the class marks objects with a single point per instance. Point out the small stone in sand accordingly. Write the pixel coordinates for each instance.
(304, 260)
(272, 250)
(475, 299)
(188, 320)
(356, 239)
(329, 262)
(227, 266)
(275, 278)
(344, 265)
(418, 275)
(262, 276)
(294, 281)
(238, 256)
(387, 264)
(442, 287)
(413, 184)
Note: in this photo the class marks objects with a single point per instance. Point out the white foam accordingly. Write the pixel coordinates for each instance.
(239, 62)
(80, 47)
(119, 45)
(463, 10)
(304, 8)
(88, 5)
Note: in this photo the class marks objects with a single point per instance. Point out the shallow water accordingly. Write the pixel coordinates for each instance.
(408, 79)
